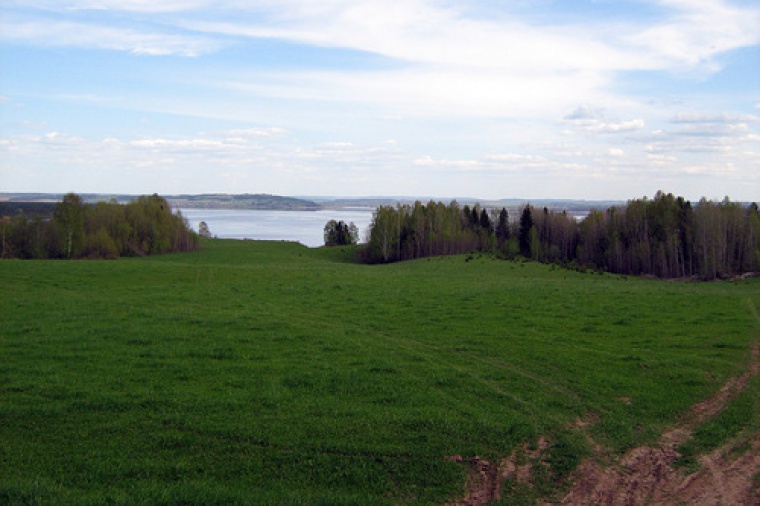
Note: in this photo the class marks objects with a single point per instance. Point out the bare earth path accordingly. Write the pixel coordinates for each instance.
(646, 475)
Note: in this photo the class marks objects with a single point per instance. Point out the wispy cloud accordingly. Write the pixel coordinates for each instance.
(47, 32)
(145, 6)
(699, 118)
(730, 139)
(433, 32)
(258, 132)
(447, 62)
(594, 121)
(453, 54)
(695, 32)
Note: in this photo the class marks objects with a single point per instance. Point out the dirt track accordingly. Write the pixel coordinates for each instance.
(646, 475)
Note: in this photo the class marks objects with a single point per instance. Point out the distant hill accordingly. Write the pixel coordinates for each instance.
(264, 201)
(244, 201)
(574, 207)
(90, 198)
(12, 201)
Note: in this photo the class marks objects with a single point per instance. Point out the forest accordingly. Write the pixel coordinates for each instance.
(105, 230)
(666, 236)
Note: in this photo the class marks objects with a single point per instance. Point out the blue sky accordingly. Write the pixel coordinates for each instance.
(601, 99)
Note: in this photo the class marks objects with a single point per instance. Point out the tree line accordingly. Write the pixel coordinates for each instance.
(665, 236)
(107, 230)
(408, 231)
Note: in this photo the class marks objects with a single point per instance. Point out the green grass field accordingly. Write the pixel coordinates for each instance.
(270, 373)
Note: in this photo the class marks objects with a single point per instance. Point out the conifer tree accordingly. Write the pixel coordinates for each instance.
(526, 223)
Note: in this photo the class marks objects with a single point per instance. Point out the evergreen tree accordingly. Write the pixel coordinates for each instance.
(502, 226)
(526, 223)
(485, 221)
(338, 233)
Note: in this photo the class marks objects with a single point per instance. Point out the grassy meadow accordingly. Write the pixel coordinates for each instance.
(270, 373)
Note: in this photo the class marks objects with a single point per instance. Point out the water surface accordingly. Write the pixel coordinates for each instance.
(306, 227)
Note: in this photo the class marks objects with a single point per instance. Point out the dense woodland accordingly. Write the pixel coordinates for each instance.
(666, 236)
(108, 230)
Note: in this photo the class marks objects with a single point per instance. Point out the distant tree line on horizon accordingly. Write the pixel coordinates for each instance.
(665, 236)
(106, 230)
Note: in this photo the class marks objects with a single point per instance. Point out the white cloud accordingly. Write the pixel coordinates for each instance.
(424, 32)
(697, 32)
(504, 164)
(65, 33)
(430, 91)
(585, 112)
(258, 132)
(193, 144)
(433, 32)
(593, 120)
(658, 158)
(451, 63)
(693, 117)
(146, 6)
(712, 130)
(272, 164)
(693, 132)
(678, 142)
(616, 126)
(111, 143)
(513, 157)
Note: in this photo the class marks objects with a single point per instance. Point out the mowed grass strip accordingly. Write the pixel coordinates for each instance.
(270, 373)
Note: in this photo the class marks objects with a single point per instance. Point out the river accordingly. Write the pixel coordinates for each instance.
(306, 227)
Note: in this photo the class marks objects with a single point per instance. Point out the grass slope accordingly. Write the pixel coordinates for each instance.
(269, 373)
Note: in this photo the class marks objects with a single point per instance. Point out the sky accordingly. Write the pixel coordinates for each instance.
(582, 99)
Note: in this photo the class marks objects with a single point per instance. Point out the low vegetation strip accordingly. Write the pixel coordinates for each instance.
(269, 373)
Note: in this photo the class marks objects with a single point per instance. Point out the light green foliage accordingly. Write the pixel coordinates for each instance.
(406, 232)
(270, 373)
(69, 214)
(144, 226)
